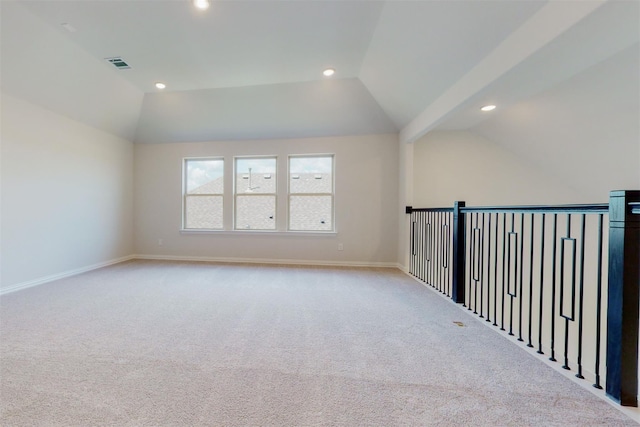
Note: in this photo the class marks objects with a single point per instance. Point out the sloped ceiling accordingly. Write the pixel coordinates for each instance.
(287, 110)
(596, 117)
(39, 64)
(252, 69)
(422, 48)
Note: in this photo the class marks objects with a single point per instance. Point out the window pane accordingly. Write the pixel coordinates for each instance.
(255, 212)
(203, 212)
(311, 164)
(310, 213)
(205, 176)
(311, 174)
(256, 176)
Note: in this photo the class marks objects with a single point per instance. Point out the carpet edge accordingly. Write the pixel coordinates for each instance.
(63, 275)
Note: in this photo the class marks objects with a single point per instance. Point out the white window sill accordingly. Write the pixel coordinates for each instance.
(274, 233)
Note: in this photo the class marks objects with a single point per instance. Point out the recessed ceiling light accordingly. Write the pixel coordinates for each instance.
(201, 4)
(160, 85)
(488, 108)
(329, 72)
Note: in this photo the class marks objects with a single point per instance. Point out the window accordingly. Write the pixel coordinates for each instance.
(255, 193)
(311, 193)
(203, 193)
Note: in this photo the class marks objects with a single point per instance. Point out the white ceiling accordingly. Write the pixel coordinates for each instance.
(233, 44)
(289, 110)
(252, 69)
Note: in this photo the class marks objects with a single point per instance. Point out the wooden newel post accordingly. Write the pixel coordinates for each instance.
(459, 239)
(623, 297)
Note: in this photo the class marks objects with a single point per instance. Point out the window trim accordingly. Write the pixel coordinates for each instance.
(185, 160)
(332, 194)
(274, 177)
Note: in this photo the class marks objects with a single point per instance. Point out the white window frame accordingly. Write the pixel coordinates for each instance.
(185, 194)
(332, 194)
(274, 177)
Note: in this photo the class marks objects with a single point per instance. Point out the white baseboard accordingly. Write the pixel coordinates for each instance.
(269, 261)
(64, 274)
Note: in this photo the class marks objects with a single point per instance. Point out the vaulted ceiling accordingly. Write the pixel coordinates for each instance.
(253, 69)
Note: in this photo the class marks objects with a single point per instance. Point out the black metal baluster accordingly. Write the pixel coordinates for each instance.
(520, 294)
(432, 248)
(530, 344)
(541, 308)
(553, 288)
(439, 252)
(425, 247)
(419, 242)
(416, 245)
(445, 253)
(432, 238)
(581, 297)
(475, 261)
(504, 259)
(515, 274)
(481, 266)
(599, 304)
(427, 236)
(436, 256)
(566, 318)
(469, 225)
(495, 274)
(450, 252)
(413, 244)
(472, 258)
(434, 251)
(441, 262)
(426, 253)
(436, 263)
(489, 269)
(444, 249)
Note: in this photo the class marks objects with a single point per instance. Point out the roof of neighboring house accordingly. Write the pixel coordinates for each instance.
(266, 183)
(258, 213)
(212, 187)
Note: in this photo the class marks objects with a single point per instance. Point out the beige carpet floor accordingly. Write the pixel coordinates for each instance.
(149, 343)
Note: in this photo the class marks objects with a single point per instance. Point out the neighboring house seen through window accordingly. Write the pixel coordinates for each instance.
(311, 193)
(309, 203)
(203, 194)
(255, 193)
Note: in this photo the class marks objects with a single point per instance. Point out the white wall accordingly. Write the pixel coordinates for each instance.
(460, 165)
(445, 166)
(366, 202)
(405, 192)
(572, 143)
(43, 65)
(584, 132)
(67, 193)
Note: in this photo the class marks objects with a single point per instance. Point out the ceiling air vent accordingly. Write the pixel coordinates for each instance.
(118, 63)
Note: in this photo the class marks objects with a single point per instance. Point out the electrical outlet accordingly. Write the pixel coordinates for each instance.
(340, 247)
(160, 242)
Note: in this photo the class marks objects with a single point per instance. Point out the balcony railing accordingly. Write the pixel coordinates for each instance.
(549, 275)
